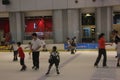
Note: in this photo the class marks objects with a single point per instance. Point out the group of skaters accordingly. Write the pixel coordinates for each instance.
(71, 44)
(6, 39)
(102, 50)
(35, 46)
(54, 57)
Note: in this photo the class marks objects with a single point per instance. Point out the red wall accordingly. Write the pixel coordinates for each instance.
(43, 25)
(4, 25)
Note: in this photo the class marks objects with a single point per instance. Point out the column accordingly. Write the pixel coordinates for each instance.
(16, 20)
(57, 26)
(80, 28)
(73, 23)
(98, 21)
(65, 25)
(13, 29)
(104, 21)
(109, 22)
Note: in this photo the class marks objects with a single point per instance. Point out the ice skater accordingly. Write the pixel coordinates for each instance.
(116, 38)
(14, 47)
(29, 46)
(36, 45)
(44, 47)
(68, 44)
(73, 46)
(22, 57)
(101, 51)
(75, 40)
(54, 59)
(117, 41)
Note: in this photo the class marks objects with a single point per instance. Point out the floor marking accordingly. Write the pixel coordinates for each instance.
(44, 77)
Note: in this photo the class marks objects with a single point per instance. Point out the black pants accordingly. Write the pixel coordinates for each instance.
(73, 50)
(56, 65)
(22, 61)
(15, 55)
(35, 58)
(101, 52)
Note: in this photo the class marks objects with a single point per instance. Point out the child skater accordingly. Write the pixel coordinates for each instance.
(14, 47)
(44, 48)
(22, 57)
(54, 59)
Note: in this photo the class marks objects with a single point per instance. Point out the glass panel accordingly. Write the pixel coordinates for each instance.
(116, 21)
(88, 19)
(88, 33)
(116, 18)
(88, 27)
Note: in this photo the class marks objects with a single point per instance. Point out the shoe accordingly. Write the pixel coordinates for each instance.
(23, 68)
(15, 60)
(72, 53)
(105, 66)
(33, 67)
(36, 68)
(96, 66)
(118, 65)
(116, 56)
(47, 73)
(58, 72)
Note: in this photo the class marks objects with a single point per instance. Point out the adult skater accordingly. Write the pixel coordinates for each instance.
(101, 51)
(35, 45)
(117, 41)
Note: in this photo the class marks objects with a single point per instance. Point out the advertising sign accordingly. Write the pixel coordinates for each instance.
(84, 46)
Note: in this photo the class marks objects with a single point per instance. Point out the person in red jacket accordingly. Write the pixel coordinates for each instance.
(101, 51)
(22, 57)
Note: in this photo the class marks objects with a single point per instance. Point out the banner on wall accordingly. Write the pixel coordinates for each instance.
(84, 46)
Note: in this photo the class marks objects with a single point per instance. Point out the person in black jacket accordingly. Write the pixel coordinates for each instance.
(54, 59)
(73, 46)
(116, 37)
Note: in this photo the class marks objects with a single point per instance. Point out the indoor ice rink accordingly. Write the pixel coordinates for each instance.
(78, 66)
(56, 21)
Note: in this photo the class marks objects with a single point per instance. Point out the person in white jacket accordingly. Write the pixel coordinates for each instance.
(35, 48)
(14, 47)
(44, 48)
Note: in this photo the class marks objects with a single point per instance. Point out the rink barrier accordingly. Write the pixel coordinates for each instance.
(84, 46)
(63, 47)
